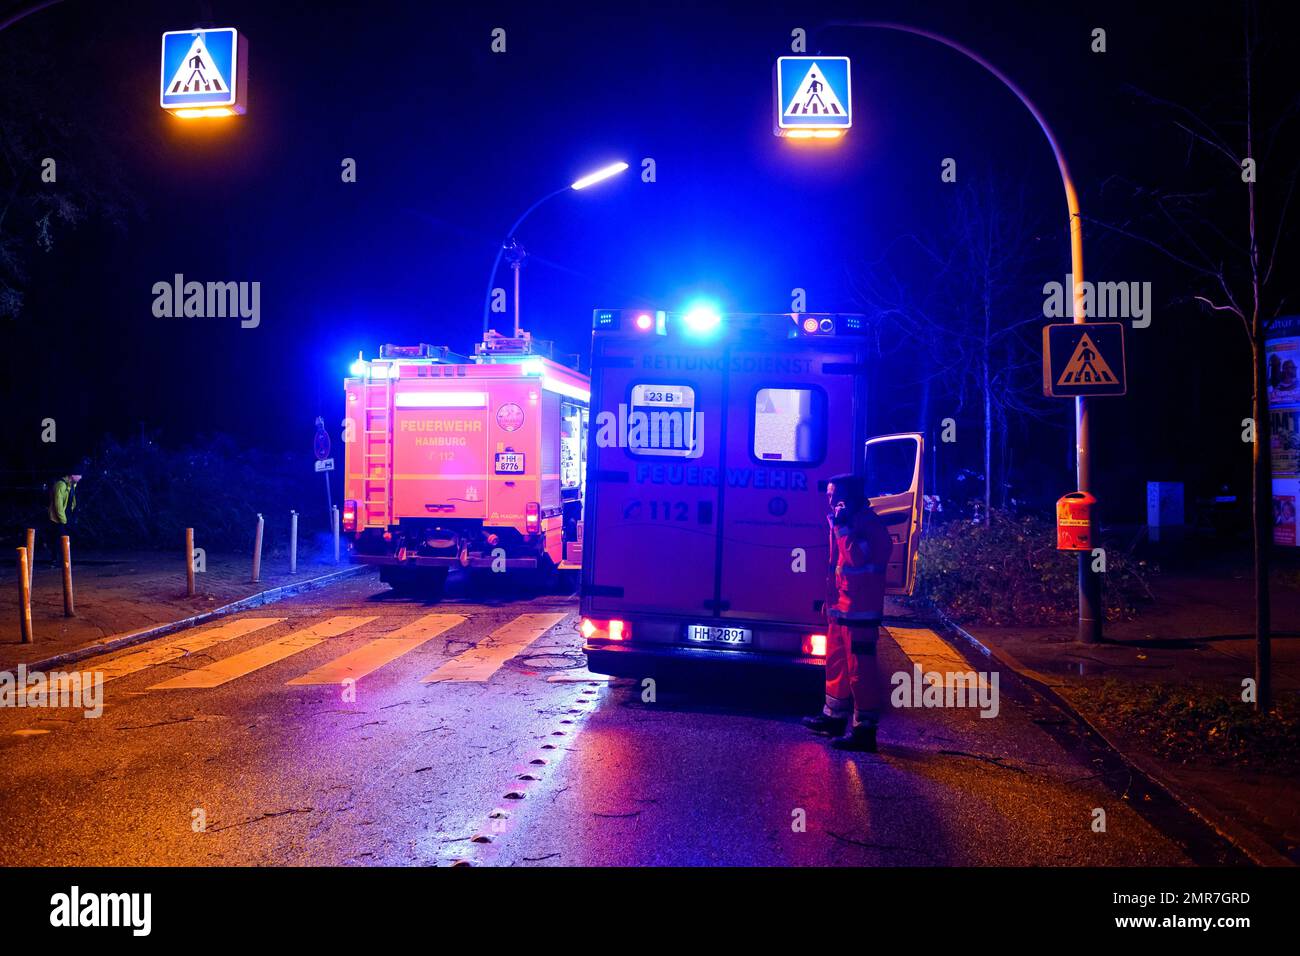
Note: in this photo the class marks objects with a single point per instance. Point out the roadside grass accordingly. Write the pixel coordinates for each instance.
(1192, 724)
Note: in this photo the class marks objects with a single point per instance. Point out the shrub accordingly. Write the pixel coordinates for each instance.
(140, 496)
(1008, 571)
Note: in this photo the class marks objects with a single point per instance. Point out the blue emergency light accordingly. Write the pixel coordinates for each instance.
(702, 319)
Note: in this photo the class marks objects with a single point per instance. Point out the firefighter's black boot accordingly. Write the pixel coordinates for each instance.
(829, 726)
(860, 738)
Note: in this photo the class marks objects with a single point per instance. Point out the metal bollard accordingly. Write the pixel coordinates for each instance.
(189, 562)
(334, 520)
(257, 551)
(68, 609)
(31, 558)
(24, 597)
(293, 542)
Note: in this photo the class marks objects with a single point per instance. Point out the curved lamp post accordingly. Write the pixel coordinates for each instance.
(605, 172)
(1090, 615)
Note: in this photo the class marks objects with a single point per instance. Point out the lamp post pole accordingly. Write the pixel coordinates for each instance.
(509, 244)
(1090, 611)
(496, 264)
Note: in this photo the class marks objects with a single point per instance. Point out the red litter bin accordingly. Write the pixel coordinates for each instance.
(1074, 521)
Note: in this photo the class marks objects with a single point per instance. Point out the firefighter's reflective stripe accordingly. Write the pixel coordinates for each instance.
(861, 617)
(838, 706)
(861, 569)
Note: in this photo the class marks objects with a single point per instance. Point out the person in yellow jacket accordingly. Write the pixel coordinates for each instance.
(855, 604)
(63, 501)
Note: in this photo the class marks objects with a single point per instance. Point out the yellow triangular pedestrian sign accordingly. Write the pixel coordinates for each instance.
(1086, 366)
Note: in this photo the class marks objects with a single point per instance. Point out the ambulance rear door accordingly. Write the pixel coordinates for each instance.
(793, 421)
(893, 470)
(652, 508)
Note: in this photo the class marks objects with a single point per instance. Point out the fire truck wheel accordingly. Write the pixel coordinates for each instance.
(543, 578)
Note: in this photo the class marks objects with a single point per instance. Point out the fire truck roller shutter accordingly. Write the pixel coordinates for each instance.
(550, 439)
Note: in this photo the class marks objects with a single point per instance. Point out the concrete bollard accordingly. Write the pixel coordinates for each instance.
(68, 608)
(257, 551)
(293, 542)
(24, 597)
(31, 558)
(189, 562)
(334, 520)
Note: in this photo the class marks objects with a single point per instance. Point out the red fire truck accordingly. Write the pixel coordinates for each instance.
(711, 441)
(457, 462)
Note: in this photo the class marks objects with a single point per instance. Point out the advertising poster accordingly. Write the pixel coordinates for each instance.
(1282, 357)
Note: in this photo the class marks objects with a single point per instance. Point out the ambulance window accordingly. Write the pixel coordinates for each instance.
(789, 425)
(891, 467)
(661, 420)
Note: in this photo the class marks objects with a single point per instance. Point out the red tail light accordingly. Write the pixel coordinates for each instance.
(349, 516)
(814, 645)
(605, 630)
(533, 517)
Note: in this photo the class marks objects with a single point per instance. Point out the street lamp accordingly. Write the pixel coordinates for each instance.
(517, 252)
(1090, 613)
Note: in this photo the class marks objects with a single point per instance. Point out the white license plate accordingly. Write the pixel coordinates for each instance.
(705, 634)
(510, 463)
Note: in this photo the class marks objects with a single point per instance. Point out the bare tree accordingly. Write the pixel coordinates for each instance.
(964, 305)
(1231, 250)
(59, 165)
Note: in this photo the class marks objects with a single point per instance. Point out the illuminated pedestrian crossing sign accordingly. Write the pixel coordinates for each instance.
(1083, 360)
(812, 95)
(203, 72)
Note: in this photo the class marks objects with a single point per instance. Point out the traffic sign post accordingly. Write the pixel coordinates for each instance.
(1083, 360)
(324, 463)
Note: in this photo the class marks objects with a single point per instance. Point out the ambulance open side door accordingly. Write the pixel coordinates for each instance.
(893, 470)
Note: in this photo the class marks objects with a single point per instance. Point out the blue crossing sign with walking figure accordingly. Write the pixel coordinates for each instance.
(813, 94)
(203, 72)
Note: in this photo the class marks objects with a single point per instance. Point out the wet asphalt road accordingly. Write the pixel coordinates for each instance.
(536, 765)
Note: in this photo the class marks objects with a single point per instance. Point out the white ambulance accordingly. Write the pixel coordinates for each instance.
(710, 443)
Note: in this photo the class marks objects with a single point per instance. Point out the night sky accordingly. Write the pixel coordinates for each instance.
(452, 142)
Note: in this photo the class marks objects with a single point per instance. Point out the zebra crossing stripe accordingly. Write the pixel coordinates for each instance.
(926, 649)
(191, 643)
(480, 662)
(238, 665)
(375, 654)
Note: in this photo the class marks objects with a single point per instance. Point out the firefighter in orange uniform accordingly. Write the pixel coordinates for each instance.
(859, 553)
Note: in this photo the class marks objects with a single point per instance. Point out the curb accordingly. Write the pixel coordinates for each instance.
(1254, 847)
(269, 596)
